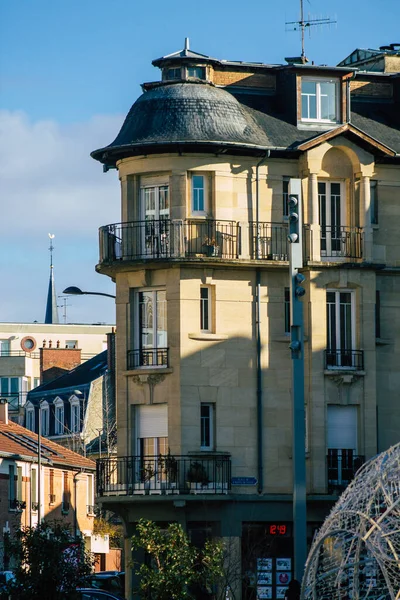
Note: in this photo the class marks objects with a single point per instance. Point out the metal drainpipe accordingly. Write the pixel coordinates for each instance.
(260, 466)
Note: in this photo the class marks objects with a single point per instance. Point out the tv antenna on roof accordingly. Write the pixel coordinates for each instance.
(302, 24)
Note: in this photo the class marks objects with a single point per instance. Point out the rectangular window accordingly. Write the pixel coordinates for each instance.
(285, 196)
(11, 486)
(206, 426)
(374, 202)
(151, 331)
(75, 418)
(198, 72)
(19, 483)
(173, 74)
(59, 418)
(342, 435)
(4, 347)
(90, 493)
(340, 330)
(205, 309)
(319, 100)
(30, 419)
(33, 485)
(334, 241)
(198, 194)
(65, 494)
(287, 310)
(44, 413)
(52, 497)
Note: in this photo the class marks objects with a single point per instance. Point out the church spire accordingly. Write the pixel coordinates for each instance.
(51, 306)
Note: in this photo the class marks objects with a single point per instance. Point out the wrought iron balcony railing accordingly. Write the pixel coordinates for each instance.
(148, 357)
(168, 238)
(342, 465)
(163, 474)
(344, 359)
(341, 242)
(270, 239)
(15, 400)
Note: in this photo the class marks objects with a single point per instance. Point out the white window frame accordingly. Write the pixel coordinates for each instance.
(318, 82)
(206, 309)
(204, 210)
(337, 332)
(58, 422)
(75, 419)
(328, 251)
(44, 420)
(137, 329)
(210, 418)
(30, 416)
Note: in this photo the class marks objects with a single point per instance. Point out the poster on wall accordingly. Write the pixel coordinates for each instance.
(264, 578)
(280, 591)
(283, 564)
(264, 593)
(282, 578)
(264, 564)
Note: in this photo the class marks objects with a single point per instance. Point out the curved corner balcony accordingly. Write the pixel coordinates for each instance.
(166, 239)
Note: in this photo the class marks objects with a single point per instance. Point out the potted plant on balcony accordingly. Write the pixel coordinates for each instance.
(197, 477)
(211, 246)
(169, 467)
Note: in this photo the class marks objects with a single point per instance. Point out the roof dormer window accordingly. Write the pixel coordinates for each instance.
(319, 100)
(197, 72)
(173, 74)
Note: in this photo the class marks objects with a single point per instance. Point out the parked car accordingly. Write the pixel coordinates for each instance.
(109, 581)
(91, 594)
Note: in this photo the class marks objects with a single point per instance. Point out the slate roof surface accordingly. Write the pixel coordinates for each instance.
(199, 113)
(17, 441)
(380, 121)
(81, 375)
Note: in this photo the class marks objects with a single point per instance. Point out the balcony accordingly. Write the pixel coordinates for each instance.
(344, 359)
(168, 239)
(163, 475)
(268, 241)
(342, 465)
(341, 242)
(147, 357)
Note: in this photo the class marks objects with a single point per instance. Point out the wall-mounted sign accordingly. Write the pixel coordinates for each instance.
(244, 481)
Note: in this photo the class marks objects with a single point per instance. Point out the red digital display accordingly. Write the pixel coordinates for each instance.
(278, 529)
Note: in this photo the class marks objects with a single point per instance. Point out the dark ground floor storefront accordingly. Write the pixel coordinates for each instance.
(257, 532)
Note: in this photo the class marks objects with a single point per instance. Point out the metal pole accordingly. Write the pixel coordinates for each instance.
(39, 463)
(297, 351)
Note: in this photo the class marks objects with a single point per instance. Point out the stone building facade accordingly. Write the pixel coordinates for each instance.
(200, 262)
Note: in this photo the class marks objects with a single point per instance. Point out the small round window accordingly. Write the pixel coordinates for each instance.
(28, 344)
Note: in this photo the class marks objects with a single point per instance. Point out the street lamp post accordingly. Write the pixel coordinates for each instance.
(75, 291)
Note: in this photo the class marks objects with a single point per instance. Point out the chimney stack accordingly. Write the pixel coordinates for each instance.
(4, 410)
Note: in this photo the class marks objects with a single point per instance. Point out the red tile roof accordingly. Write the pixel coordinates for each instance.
(21, 443)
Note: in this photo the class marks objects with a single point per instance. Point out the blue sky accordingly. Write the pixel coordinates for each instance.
(69, 72)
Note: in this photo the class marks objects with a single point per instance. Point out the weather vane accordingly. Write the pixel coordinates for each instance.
(302, 24)
(51, 248)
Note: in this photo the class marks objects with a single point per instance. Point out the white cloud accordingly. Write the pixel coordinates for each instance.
(49, 183)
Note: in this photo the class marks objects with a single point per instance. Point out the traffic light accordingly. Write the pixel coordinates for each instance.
(299, 291)
(294, 225)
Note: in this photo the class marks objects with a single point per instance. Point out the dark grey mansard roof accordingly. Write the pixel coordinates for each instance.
(182, 114)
